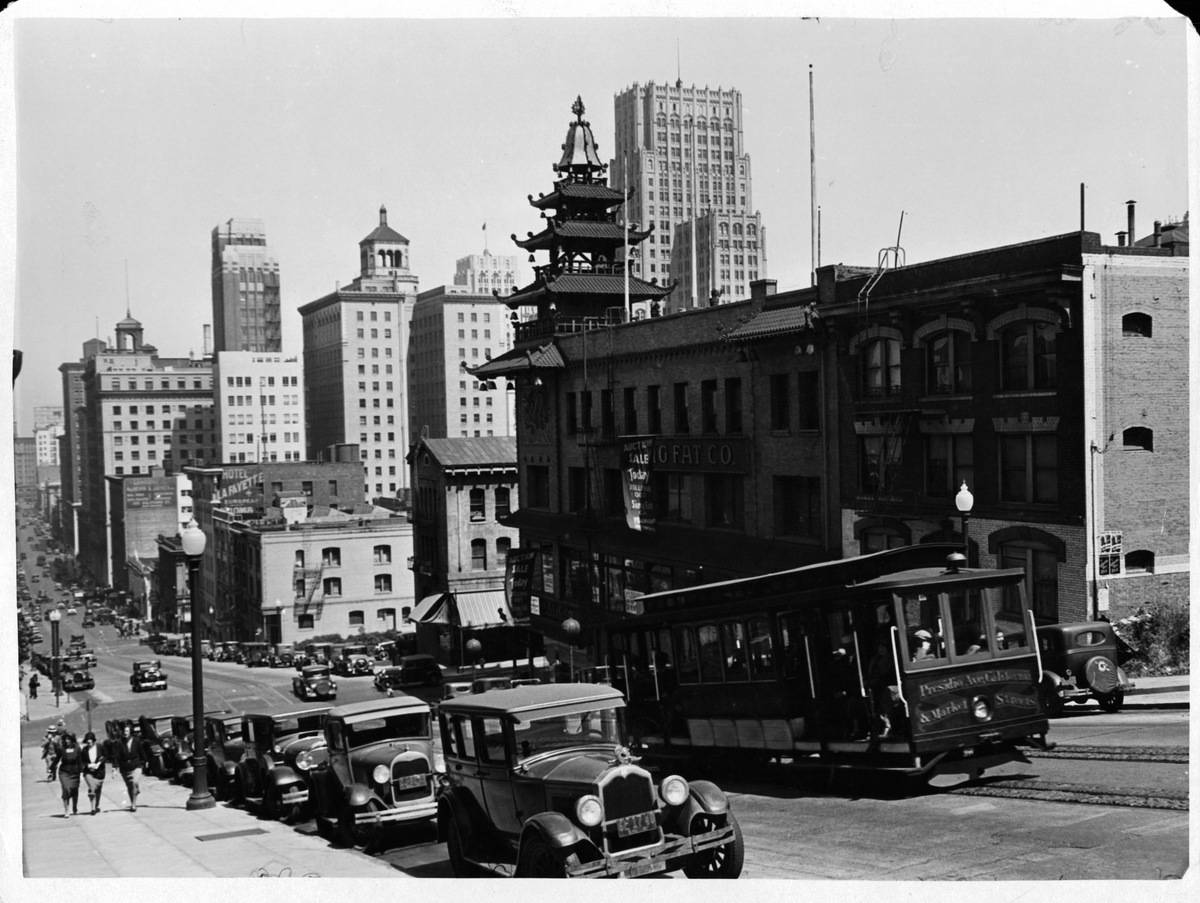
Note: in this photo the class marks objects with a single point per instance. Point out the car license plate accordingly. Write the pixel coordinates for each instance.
(636, 824)
(645, 868)
(409, 781)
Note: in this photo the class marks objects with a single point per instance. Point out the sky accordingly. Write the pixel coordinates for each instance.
(135, 137)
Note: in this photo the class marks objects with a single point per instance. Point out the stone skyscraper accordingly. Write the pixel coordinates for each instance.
(245, 288)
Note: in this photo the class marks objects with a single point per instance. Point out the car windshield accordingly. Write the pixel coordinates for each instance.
(298, 724)
(550, 731)
(390, 727)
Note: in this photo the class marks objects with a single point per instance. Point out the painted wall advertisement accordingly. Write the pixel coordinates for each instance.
(518, 582)
(635, 484)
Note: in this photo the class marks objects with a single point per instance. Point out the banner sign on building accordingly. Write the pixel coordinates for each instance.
(518, 582)
(1108, 548)
(635, 484)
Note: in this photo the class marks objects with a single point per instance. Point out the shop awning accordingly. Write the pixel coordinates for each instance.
(487, 608)
(431, 609)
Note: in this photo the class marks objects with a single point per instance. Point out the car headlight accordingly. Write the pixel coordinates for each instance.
(304, 761)
(673, 790)
(381, 774)
(588, 811)
(980, 709)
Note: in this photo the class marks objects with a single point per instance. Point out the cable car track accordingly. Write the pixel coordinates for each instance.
(1168, 754)
(1065, 792)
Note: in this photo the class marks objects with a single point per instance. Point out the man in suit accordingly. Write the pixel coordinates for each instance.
(130, 759)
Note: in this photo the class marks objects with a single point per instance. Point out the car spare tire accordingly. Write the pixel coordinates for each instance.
(1101, 674)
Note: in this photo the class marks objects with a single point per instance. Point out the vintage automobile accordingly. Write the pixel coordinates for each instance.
(147, 676)
(381, 769)
(539, 784)
(183, 738)
(281, 657)
(224, 747)
(409, 671)
(280, 750)
(315, 682)
(1081, 661)
(354, 661)
(77, 680)
(255, 655)
(159, 745)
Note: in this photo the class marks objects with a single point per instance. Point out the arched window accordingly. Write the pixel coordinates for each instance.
(1028, 356)
(1138, 437)
(502, 502)
(881, 367)
(1038, 553)
(299, 558)
(503, 546)
(331, 557)
(479, 554)
(948, 363)
(478, 505)
(1137, 325)
(875, 534)
(357, 618)
(1139, 561)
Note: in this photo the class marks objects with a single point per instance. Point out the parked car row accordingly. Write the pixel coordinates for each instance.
(530, 781)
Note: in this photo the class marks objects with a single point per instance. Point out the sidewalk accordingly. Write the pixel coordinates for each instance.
(164, 840)
(1159, 692)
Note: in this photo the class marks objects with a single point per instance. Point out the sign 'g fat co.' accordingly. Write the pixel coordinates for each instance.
(701, 455)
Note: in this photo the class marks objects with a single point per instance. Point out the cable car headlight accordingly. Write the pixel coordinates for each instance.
(673, 790)
(981, 709)
(588, 811)
(381, 774)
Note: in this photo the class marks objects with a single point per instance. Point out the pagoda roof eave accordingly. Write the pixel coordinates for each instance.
(574, 285)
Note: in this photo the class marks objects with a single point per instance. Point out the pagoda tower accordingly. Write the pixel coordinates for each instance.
(583, 284)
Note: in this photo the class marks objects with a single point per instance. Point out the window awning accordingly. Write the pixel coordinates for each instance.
(487, 608)
(431, 609)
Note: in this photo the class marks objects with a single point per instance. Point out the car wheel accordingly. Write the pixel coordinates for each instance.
(355, 835)
(720, 862)
(460, 867)
(1111, 702)
(539, 861)
(1051, 701)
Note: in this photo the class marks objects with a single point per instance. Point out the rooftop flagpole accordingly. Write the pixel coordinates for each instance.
(812, 171)
(625, 209)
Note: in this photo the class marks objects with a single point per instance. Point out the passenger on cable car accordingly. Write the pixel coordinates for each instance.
(922, 645)
(880, 677)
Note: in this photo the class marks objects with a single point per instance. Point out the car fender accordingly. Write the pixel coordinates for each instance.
(357, 795)
(704, 798)
(1052, 680)
(457, 804)
(556, 829)
(283, 776)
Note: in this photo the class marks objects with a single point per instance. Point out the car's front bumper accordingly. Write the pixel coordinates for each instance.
(418, 811)
(673, 853)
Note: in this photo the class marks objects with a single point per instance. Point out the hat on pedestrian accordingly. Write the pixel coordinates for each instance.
(923, 634)
(90, 735)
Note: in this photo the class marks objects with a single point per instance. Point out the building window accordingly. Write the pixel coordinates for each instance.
(331, 557)
(723, 501)
(537, 485)
(306, 487)
(503, 547)
(503, 508)
(879, 538)
(572, 413)
(681, 408)
(1136, 325)
(808, 396)
(653, 409)
(577, 494)
(1029, 468)
(949, 462)
(948, 363)
(630, 397)
(797, 503)
(382, 555)
(304, 622)
(607, 414)
(878, 463)
(1028, 356)
(356, 618)
(1138, 437)
(478, 510)
(479, 554)
(1139, 561)
(779, 401)
(733, 405)
(881, 367)
(1041, 576)
(383, 583)
(708, 406)
(332, 586)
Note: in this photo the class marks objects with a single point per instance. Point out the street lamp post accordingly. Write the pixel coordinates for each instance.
(964, 502)
(193, 541)
(571, 628)
(55, 617)
(474, 648)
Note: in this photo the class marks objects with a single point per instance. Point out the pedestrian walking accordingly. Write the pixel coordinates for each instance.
(94, 767)
(130, 759)
(70, 766)
(33, 685)
(51, 746)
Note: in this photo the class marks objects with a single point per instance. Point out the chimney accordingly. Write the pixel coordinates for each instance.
(1158, 233)
(1120, 239)
(762, 288)
(1132, 233)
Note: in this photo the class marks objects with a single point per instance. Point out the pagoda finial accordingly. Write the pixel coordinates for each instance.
(577, 107)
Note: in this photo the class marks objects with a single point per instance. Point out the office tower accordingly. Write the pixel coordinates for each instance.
(245, 288)
(452, 326)
(487, 272)
(356, 342)
(679, 151)
(259, 403)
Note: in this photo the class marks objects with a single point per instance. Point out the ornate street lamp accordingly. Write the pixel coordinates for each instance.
(964, 502)
(193, 541)
(474, 649)
(55, 617)
(571, 628)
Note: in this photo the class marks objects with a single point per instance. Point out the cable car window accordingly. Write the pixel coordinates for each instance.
(733, 641)
(1010, 631)
(688, 662)
(923, 629)
(762, 656)
(708, 641)
(967, 624)
(791, 638)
